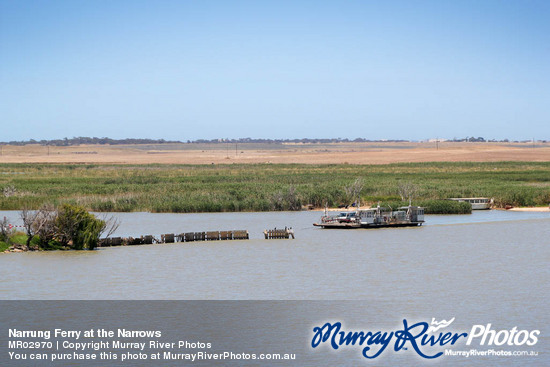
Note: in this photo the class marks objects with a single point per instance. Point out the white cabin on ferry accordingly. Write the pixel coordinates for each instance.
(382, 215)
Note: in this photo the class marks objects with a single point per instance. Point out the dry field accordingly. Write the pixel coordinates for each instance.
(337, 153)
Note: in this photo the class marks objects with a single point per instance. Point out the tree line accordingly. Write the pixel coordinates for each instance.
(128, 141)
(89, 141)
(108, 141)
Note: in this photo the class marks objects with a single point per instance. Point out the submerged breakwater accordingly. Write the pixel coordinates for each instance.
(173, 238)
(193, 237)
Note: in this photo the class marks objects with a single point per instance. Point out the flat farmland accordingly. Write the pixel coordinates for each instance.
(278, 153)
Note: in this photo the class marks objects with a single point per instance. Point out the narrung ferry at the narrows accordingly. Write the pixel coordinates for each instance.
(379, 217)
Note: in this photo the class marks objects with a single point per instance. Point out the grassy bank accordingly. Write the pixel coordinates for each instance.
(264, 187)
(16, 238)
(3, 246)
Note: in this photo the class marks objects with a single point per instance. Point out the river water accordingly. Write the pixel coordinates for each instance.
(487, 267)
(489, 254)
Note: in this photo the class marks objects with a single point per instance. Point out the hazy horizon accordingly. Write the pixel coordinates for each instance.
(244, 140)
(188, 70)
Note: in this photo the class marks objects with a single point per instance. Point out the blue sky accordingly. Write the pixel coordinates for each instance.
(274, 69)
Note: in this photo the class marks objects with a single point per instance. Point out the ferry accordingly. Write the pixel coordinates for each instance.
(379, 217)
(477, 203)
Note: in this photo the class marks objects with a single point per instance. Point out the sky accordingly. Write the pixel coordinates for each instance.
(187, 70)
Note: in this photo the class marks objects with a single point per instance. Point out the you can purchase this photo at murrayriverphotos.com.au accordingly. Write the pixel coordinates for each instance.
(274, 183)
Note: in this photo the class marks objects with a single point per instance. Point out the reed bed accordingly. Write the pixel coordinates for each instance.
(266, 187)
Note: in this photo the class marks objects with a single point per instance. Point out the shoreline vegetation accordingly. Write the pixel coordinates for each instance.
(66, 227)
(167, 188)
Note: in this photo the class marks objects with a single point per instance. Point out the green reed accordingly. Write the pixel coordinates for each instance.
(265, 187)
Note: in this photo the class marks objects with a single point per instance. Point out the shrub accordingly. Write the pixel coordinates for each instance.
(77, 228)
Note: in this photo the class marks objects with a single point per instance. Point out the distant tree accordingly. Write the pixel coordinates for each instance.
(407, 190)
(353, 191)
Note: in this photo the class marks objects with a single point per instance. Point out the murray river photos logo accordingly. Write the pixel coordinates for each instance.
(425, 339)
